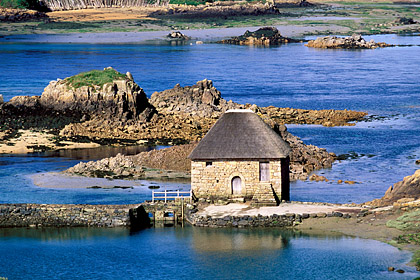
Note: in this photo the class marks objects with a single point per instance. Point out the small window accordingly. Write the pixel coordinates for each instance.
(264, 171)
(209, 163)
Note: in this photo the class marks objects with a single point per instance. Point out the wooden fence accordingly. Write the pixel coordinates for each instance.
(167, 195)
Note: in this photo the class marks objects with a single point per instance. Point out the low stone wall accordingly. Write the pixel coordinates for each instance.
(82, 215)
(287, 220)
(64, 215)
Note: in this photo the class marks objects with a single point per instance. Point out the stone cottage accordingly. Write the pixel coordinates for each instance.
(241, 159)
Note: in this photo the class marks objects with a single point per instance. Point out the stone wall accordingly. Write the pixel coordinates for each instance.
(215, 181)
(286, 220)
(64, 215)
(81, 215)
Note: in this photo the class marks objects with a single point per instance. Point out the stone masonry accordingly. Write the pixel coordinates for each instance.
(214, 181)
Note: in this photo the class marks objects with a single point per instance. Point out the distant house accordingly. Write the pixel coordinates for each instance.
(241, 158)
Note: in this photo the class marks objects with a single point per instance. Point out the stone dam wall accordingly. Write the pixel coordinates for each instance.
(287, 220)
(64, 215)
(137, 216)
(82, 215)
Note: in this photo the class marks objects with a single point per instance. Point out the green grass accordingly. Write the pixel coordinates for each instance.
(94, 78)
(408, 221)
(187, 2)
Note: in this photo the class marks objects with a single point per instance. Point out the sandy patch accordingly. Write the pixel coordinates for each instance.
(236, 209)
(30, 140)
(65, 181)
(102, 14)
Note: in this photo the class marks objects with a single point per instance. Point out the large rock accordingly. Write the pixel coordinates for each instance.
(406, 190)
(264, 36)
(201, 99)
(105, 93)
(353, 42)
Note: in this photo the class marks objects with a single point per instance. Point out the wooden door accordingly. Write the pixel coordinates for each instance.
(236, 185)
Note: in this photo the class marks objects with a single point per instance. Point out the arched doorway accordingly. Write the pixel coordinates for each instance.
(236, 185)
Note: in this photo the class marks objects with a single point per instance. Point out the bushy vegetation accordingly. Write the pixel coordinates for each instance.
(94, 78)
(22, 4)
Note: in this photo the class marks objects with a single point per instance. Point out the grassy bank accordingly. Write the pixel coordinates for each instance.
(333, 17)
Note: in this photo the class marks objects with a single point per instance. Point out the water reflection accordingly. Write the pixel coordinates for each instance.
(64, 233)
(213, 240)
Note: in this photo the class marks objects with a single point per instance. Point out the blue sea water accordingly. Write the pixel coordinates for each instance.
(383, 82)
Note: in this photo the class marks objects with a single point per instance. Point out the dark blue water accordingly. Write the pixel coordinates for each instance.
(193, 253)
(382, 82)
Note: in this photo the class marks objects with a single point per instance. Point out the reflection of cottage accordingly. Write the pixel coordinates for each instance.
(241, 157)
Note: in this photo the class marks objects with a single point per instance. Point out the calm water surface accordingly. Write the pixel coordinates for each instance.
(383, 82)
(193, 253)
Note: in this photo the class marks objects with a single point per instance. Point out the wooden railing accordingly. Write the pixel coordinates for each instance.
(166, 195)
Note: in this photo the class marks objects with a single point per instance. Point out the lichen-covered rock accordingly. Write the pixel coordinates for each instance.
(265, 36)
(353, 42)
(106, 93)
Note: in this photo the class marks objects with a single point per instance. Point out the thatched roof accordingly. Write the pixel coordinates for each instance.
(240, 134)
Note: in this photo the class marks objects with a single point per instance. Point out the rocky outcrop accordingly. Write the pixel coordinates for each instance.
(107, 94)
(266, 36)
(118, 167)
(404, 191)
(117, 110)
(177, 35)
(172, 158)
(14, 15)
(201, 99)
(353, 42)
(322, 117)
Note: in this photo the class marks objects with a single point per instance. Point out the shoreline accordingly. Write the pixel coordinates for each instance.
(145, 37)
(207, 36)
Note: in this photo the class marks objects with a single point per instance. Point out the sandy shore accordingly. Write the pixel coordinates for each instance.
(30, 141)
